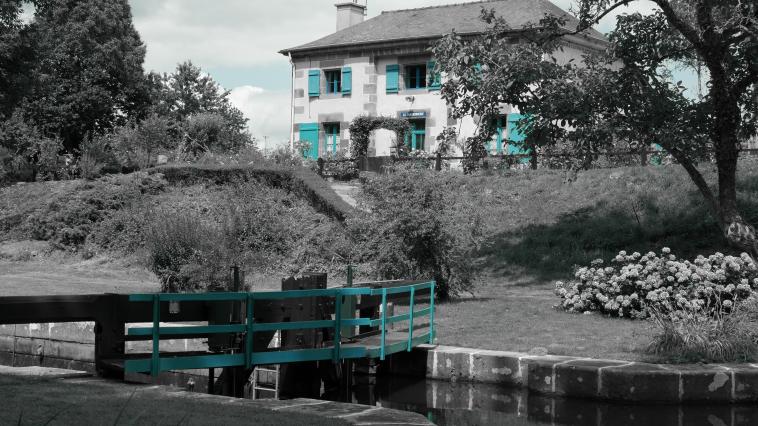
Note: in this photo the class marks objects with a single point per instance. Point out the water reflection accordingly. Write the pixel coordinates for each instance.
(462, 404)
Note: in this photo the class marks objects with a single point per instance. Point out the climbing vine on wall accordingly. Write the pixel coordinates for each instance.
(362, 126)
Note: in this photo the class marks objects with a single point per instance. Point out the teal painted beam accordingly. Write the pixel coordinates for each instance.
(300, 325)
(294, 294)
(191, 330)
(359, 322)
(185, 363)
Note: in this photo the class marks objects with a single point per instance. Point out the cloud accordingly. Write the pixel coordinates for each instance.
(268, 112)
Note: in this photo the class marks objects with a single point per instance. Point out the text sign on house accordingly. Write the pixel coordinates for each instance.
(413, 114)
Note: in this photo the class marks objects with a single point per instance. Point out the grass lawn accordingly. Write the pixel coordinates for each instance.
(59, 274)
(520, 317)
(37, 401)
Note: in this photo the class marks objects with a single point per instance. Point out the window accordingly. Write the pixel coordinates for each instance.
(415, 77)
(333, 81)
(332, 131)
(417, 137)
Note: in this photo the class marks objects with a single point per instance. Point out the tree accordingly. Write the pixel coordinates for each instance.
(87, 73)
(189, 91)
(16, 54)
(626, 95)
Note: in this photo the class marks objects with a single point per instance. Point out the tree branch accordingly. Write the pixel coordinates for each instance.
(687, 31)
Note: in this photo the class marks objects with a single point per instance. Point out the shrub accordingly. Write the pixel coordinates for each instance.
(211, 132)
(413, 226)
(94, 159)
(137, 145)
(184, 252)
(633, 283)
(338, 167)
(727, 334)
(67, 221)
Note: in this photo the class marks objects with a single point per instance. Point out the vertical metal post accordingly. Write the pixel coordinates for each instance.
(384, 323)
(155, 359)
(431, 313)
(211, 380)
(348, 305)
(410, 313)
(337, 327)
(249, 335)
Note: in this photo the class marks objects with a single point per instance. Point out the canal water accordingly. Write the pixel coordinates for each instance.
(464, 404)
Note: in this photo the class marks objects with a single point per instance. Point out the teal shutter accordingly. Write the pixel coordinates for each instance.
(434, 76)
(347, 80)
(309, 133)
(314, 83)
(393, 78)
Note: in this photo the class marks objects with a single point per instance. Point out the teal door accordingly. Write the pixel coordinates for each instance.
(309, 135)
(332, 131)
(516, 137)
(417, 138)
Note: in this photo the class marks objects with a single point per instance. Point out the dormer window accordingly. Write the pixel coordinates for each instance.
(415, 76)
(333, 81)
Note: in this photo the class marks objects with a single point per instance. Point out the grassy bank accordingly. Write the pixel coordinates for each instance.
(538, 226)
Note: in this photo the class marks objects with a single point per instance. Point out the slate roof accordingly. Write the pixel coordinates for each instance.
(436, 21)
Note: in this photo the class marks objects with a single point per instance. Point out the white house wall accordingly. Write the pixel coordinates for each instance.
(369, 97)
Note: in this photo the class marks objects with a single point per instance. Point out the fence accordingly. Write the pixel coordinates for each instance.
(543, 160)
(363, 347)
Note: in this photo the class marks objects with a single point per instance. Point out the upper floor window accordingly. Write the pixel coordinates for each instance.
(333, 81)
(415, 76)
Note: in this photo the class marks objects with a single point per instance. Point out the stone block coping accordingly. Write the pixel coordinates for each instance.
(585, 377)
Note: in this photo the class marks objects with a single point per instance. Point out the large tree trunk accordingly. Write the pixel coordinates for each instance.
(726, 111)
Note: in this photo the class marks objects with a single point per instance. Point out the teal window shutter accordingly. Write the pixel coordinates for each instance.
(314, 83)
(434, 76)
(347, 80)
(393, 78)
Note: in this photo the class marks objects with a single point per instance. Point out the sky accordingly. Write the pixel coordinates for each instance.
(237, 43)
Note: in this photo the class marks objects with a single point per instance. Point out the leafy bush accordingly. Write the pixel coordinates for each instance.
(193, 239)
(94, 159)
(728, 334)
(211, 132)
(137, 145)
(67, 221)
(413, 226)
(633, 283)
(185, 252)
(338, 167)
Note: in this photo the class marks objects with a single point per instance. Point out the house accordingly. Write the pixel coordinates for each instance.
(383, 67)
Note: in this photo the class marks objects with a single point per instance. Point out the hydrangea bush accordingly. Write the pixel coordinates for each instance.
(633, 283)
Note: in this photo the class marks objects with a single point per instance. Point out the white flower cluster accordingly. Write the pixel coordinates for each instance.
(634, 282)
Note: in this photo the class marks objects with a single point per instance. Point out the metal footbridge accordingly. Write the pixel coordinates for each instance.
(378, 337)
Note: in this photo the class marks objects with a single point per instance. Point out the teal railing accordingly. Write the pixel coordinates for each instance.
(155, 364)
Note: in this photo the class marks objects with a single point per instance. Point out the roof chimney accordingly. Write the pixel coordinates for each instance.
(349, 13)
